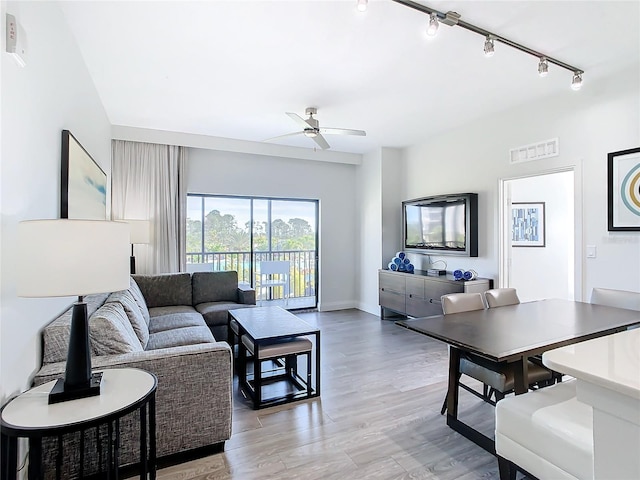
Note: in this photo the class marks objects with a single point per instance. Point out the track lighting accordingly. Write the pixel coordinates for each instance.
(362, 5)
(432, 29)
(488, 47)
(576, 82)
(543, 67)
(453, 19)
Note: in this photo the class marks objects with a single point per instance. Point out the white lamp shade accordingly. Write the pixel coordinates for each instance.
(139, 231)
(63, 257)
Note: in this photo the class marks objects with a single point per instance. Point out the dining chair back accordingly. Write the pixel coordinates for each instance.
(461, 302)
(616, 298)
(501, 297)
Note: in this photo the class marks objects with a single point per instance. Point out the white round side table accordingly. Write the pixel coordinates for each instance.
(123, 390)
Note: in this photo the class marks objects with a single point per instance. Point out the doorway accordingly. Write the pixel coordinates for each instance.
(538, 235)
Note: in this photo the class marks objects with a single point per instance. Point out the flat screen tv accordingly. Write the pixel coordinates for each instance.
(441, 225)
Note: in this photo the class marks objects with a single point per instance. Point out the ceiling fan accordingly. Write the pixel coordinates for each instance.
(311, 129)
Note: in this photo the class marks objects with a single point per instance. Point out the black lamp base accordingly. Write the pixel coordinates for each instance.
(60, 394)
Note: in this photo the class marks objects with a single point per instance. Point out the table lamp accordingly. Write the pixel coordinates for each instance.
(139, 234)
(62, 258)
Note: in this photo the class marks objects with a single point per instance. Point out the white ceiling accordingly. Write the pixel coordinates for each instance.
(233, 68)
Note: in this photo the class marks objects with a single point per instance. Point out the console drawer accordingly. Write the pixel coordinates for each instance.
(391, 300)
(415, 288)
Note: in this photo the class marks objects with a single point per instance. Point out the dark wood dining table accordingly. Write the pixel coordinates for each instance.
(512, 334)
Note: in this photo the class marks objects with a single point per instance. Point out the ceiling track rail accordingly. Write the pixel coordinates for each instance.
(453, 19)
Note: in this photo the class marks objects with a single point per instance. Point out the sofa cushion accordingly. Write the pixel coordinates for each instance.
(156, 312)
(56, 334)
(166, 289)
(217, 313)
(180, 336)
(131, 308)
(139, 298)
(168, 318)
(111, 332)
(215, 287)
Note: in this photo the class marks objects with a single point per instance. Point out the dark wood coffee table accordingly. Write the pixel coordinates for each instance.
(271, 328)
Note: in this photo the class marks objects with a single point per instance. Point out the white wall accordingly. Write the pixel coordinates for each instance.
(369, 219)
(393, 171)
(334, 184)
(601, 118)
(53, 92)
(379, 180)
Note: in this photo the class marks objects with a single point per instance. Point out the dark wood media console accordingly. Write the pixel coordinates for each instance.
(418, 294)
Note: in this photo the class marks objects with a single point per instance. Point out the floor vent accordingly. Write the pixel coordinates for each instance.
(535, 151)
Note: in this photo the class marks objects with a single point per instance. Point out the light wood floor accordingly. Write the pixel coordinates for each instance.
(378, 416)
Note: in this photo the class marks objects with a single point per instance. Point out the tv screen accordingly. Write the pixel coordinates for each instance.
(446, 225)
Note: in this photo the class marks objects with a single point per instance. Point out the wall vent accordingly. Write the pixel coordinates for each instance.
(535, 151)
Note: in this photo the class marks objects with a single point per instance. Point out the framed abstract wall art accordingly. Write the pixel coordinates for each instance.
(83, 193)
(623, 173)
(527, 224)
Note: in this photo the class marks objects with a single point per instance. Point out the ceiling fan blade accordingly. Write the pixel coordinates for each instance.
(299, 120)
(319, 139)
(283, 136)
(343, 131)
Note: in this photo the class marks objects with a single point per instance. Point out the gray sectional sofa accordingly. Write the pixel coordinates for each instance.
(175, 326)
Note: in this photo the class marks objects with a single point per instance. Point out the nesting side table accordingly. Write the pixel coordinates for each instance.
(123, 391)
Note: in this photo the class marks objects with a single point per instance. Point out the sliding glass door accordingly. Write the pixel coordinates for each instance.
(238, 233)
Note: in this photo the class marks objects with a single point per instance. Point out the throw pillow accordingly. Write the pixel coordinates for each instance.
(111, 332)
(139, 298)
(131, 308)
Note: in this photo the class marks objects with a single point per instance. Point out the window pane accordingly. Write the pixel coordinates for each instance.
(260, 225)
(194, 229)
(292, 225)
(226, 224)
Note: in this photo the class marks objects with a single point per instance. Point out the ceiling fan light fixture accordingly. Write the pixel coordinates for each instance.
(310, 133)
(432, 29)
(489, 49)
(543, 67)
(362, 5)
(576, 81)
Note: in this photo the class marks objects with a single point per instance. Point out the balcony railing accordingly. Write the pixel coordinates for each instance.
(302, 279)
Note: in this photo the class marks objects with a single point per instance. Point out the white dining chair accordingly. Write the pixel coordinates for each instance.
(273, 274)
(199, 267)
(616, 298)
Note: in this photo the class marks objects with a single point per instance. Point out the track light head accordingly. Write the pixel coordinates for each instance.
(576, 82)
(543, 67)
(488, 46)
(362, 5)
(432, 29)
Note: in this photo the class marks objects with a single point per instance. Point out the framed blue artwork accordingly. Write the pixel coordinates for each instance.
(623, 172)
(527, 224)
(83, 183)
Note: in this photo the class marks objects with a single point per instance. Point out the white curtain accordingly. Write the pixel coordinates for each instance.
(148, 182)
